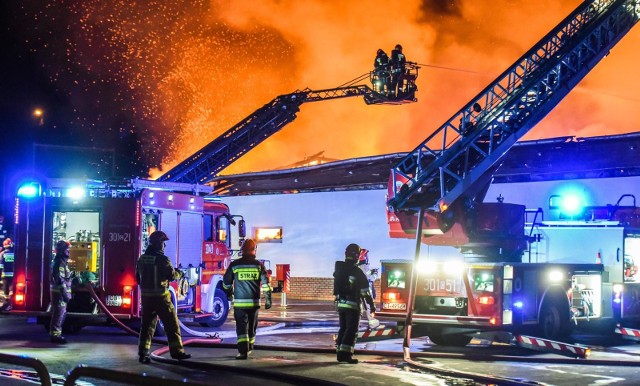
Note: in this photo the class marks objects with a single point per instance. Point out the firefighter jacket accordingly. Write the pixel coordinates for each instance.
(246, 275)
(350, 285)
(154, 272)
(6, 263)
(398, 60)
(61, 277)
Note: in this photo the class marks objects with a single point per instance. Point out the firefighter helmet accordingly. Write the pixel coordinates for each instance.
(352, 251)
(62, 246)
(380, 51)
(248, 247)
(157, 237)
(398, 47)
(7, 243)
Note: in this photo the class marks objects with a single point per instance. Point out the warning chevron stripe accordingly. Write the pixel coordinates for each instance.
(377, 333)
(628, 332)
(571, 350)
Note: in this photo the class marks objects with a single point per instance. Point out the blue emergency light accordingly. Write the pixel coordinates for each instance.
(29, 190)
(571, 200)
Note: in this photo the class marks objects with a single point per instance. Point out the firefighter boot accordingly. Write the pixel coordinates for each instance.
(345, 357)
(241, 356)
(181, 356)
(144, 358)
(58, 339)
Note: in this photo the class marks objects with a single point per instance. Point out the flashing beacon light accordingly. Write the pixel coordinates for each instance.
(76, 193)
(29, 190)
(570, 200)
(571, 204)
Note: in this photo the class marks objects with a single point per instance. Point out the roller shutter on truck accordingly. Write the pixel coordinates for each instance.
(190, 247)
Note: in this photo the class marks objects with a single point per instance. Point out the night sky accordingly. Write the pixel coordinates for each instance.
(144, 84)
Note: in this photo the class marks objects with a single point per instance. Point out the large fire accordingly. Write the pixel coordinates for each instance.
(183, 72)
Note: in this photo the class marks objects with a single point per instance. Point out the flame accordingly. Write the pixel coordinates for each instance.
(172, 76)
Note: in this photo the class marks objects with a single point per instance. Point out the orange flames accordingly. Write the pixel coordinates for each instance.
(192, 69)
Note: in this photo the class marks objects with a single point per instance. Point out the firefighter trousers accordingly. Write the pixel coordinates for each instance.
(154, 307)
(348, 332)
(58, 314)
(246, 325)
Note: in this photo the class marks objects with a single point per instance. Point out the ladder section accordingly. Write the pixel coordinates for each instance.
(460, 157)
(208, 162)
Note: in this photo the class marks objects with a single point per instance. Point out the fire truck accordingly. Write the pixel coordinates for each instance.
(108, 223)
(520, 271)
(108, 226)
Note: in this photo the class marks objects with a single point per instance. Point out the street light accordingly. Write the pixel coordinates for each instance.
(39, 115)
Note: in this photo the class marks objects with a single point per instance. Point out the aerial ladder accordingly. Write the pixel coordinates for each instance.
(208, 162)
(445, 178)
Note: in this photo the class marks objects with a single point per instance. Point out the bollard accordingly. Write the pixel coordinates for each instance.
(283, 275)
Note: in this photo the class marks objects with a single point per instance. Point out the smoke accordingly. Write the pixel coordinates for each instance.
(169, 77)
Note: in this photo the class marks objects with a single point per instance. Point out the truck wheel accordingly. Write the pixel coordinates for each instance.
(220, 310)
(456, 340)
(551, 323)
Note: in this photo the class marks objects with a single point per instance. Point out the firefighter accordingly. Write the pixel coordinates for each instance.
(154, 272)
(60, 291)
(398, 63)
(381, 71)
(245, 276)
(6, 272)
(350, 286)
(371, 274)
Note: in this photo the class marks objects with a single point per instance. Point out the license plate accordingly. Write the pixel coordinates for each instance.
(442, 285)
(113, 300)
(394, 306)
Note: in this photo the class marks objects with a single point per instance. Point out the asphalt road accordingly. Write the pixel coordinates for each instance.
(295, 346)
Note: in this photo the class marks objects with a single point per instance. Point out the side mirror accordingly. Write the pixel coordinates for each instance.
(242, 229)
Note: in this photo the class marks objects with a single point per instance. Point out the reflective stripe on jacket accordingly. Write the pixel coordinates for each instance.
(247, 276)
(154, 272)
(358, 288)
(61, 276)
(6, 264)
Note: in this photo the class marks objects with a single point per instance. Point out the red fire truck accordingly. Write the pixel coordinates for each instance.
(583, 267)
(577, 269)
(108, 225)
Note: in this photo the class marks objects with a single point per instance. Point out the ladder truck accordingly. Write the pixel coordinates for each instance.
(205, 164)
(108, 223)
(436, 195)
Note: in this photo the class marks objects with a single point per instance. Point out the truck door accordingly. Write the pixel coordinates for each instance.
(631, 289)
(82, 228)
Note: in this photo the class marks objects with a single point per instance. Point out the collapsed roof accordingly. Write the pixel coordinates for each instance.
(561, 158)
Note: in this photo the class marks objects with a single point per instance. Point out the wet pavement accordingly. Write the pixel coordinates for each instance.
(295, 345)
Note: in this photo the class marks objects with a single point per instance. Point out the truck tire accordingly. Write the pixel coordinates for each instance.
(553, 323)
(456, 340)
(220, 310)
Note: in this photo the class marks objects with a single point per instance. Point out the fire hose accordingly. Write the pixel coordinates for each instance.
(136, 333)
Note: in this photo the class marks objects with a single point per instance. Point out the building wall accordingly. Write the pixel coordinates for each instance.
(316, 288)
(318, 226)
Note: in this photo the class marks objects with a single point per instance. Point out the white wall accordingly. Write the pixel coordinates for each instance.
(317, 227)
